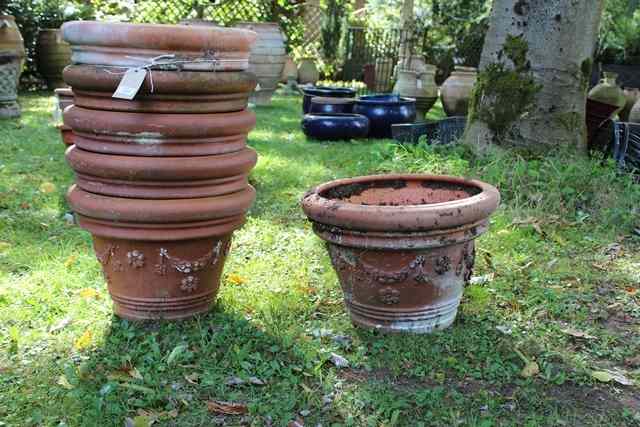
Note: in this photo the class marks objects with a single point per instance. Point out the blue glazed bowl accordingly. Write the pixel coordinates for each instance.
(385, 110)
(326, 91)
(335, 126)
(324, 105)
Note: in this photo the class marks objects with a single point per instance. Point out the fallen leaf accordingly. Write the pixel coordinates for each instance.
(60, 325)
(84, 341)
(339, 361)
(608, 375)
(89, 293)
(227, 408)
(142, 421)
(481, 280)
(175, 353)
(134, 373)
(633, 362)
(192, 378)
(70, 261)
(47, 187)
(24, 205)
(236, 279)
(578, 334)
(602, 376)
(64, 382)
(256, 381)
(234, 381)
(296, 423)
(531, 369)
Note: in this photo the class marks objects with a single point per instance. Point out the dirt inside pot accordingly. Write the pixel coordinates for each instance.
(401, 192)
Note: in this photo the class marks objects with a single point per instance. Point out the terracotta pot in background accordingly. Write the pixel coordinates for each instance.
(53, 54)
(267, 59)
(65, 99)
(455, 92)
(308, 72)
(420, 86)
(289, 71)
(402, 245)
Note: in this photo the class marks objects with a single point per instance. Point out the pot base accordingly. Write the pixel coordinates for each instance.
(162, 280)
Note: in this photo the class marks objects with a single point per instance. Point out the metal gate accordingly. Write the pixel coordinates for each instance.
(371, 56)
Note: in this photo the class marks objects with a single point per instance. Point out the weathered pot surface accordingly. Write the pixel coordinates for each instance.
(163, 91)
(161, 258)
(402, 245)
(156, 134)
(199, 48)
(335, 126)
(456, 91)
(161, 177)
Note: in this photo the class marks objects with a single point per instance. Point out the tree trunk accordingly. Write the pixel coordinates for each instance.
(534, 74)
(407, 27)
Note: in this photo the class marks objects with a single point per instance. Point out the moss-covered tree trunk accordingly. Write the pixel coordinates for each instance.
(534, 72)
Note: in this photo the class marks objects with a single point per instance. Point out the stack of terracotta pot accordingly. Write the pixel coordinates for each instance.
(161, 179)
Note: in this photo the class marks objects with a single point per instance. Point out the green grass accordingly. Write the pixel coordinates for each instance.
(561, 250)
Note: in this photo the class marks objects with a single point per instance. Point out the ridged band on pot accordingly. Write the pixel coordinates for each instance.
(132, 45)
(161, 177)
(157, 134)
(402, 245)
(171, 92)
(160, 220)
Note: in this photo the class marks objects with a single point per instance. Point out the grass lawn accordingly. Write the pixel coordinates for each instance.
(559, 269)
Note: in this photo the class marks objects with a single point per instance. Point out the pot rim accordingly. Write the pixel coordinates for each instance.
(175, 38)
(331, 100)
(335, 115)
(323, 90)
(404, 218)
(370, 99)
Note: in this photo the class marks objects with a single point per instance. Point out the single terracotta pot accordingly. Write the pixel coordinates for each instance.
(53, 54)
(163, 91)
(402, 245)
(65, 99)
(198, 48)
(161, 258)
(157, 135)
(289, 71)
(161, 177)
(455, 92)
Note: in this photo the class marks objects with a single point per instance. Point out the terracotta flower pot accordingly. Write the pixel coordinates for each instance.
(131, 45)
(171, 92)
(53, 54)
(307, 71)
(455, 92)
(161, 177)
(402, 245)
(161, 258)
(65, 99)
(289, 71)
(631, 95)
(157, 135)
(608, 91)
(11, 40)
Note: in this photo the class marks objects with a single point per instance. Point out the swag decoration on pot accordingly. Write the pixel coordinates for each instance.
(401, 245)
(159, 126)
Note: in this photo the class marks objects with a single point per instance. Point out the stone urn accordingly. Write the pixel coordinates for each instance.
(267, 61)
(634, 114)
(9, 71)
(11, 40)
(401, 245)
(456, 90)
(631, 95)
(53, 54)
(161, 179)
(420, 86)
(608, 92)
(308, 72)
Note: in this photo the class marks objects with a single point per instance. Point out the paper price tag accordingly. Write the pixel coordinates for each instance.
(130, 84)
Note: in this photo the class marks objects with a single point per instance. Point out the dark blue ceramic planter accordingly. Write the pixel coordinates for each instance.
(323, 105)
(385, 110)
(326, 91)
(335, 126)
